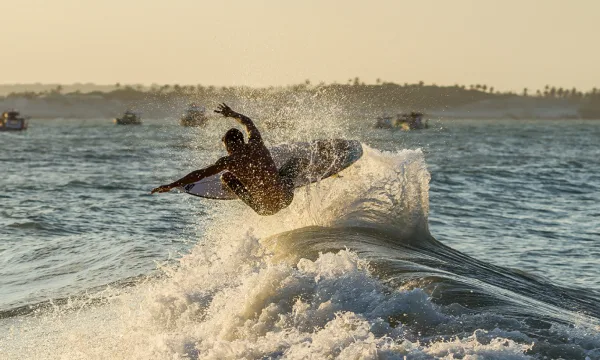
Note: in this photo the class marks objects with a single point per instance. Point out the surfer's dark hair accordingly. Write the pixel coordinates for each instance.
(233, 138)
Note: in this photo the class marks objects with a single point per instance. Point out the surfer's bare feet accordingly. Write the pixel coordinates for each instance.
(161, 189)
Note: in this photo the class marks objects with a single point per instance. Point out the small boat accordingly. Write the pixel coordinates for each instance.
(12, 121)
(130, 117)
(411, 121)
(194, 116)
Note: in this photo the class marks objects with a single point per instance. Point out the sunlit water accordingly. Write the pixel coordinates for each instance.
(470, 238)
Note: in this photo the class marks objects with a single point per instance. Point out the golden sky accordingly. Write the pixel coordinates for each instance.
(509, 44)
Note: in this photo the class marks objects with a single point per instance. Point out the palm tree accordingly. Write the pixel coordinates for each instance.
(57, 90)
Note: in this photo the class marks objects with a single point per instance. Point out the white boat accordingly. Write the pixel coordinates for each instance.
(129, 118)
(194, 116)
(12, 121)
(410, 121)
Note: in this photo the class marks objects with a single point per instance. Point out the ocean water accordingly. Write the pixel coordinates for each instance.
(472, 239)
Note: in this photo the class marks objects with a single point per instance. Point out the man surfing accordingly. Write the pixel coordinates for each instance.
(251, 172)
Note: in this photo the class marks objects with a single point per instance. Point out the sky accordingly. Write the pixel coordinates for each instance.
(507, 44)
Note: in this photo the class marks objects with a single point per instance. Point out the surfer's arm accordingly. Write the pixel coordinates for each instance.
(251, 129)
(194, 176)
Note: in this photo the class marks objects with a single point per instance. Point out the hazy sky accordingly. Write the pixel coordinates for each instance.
(503, 43)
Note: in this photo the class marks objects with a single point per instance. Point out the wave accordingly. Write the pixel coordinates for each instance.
(349, 270)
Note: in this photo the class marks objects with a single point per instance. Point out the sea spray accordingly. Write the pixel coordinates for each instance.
(251, 289)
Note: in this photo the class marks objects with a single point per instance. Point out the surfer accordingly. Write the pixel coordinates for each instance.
(251, 172)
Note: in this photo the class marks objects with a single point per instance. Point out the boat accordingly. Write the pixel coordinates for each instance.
(194, 116)
(406, 121)
(12, 121)
(130, 117)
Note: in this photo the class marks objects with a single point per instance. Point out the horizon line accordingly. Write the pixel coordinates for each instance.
(350, 82)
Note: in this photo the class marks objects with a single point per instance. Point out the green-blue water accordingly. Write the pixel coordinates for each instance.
(76, 214)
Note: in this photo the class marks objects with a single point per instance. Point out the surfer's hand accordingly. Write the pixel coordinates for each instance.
(225, 110)
(162, 189)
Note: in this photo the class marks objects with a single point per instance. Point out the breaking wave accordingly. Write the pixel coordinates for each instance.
(348, 271)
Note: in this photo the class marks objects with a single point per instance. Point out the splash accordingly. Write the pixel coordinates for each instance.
(245, 291)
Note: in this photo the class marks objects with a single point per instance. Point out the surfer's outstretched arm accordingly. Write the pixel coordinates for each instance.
(253, 133)
(194, 176)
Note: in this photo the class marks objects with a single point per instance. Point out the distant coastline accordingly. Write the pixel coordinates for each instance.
(86, 101)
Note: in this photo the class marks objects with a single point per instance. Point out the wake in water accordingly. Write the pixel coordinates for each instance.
(348, 271)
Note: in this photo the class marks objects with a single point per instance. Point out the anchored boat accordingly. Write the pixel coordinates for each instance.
(130, 117)
(194, 116)
(407, 121)
(12, 121)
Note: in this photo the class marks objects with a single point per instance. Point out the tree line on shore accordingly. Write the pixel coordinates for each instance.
(418, 96)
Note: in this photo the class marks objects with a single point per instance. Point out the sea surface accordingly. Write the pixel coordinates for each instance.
(472, 239)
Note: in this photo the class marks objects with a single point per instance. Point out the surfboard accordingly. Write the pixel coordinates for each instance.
(326, 157)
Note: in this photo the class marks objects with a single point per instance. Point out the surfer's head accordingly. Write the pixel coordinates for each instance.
(233, 140)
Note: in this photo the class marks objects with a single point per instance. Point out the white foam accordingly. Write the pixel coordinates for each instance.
(232, 298)
(230, 308)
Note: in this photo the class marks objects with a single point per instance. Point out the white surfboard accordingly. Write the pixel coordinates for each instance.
(327, 158)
